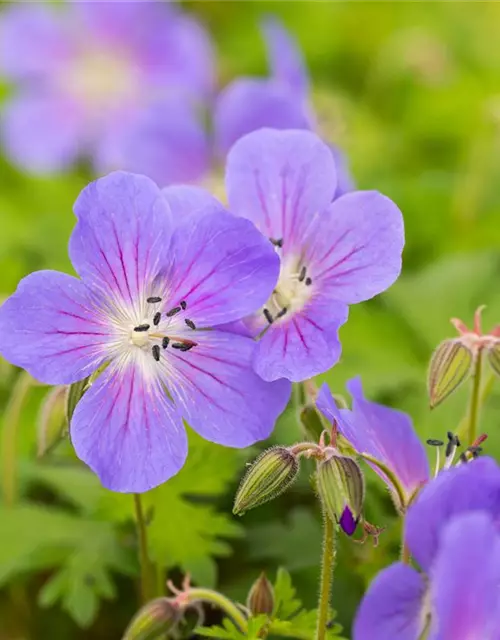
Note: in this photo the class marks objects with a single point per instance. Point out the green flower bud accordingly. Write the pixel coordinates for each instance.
(51, 420)
(74, 395)
(153, 620)
(312, 423)
(341, 488)
(494, 356)
(268, 477)
(261, 597)
(450, 365)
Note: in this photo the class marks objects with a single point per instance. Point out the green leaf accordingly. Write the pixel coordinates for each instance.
(286, 604)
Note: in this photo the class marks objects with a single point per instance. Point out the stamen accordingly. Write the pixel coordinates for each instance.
(435, 443)
(451, 447)
(153, 299)
(156, 352)
(463, 458)
(183, 305)
(308, 282)
(165, 341)
(267, 315)
(142, 327)
(183, 346)
(172, 312)
(438, 444)
(190, 324)
(277, 242)
(475, 451)
(281, 313)
(157, 318)
(302, 274)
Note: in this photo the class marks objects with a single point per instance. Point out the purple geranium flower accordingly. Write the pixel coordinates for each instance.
(386, 434)
(332, 253)
(453, 531)
(119, 82)
(147, 295)
(280, 101)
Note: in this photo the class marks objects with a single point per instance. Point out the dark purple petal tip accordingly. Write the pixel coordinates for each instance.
(347, 522)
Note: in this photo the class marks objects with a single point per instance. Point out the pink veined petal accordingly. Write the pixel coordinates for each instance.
(219, 395)
(184, 200)
(221, 266)
(280, 180)
(127, 430)
(53, 328)
(466, 578)
(391, 608)
(303, 344)
(122, 237)
(354, 247)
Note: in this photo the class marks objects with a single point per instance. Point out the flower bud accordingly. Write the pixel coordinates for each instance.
(51, 422)
(153, 620)
(268, 477)
(261, 597)
(341, 488)
(312, 423)
(74, 395)
(450, 365)
(494, 356)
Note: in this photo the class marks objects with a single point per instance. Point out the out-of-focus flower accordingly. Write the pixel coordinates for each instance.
(453, 533)
(118, 82)
(332, 253)
(146, 296)
(280, 101)
(383, 433)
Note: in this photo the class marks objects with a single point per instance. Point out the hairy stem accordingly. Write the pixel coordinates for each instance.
(147, 587)
(220, 601)
(325, 588)
(475, 401)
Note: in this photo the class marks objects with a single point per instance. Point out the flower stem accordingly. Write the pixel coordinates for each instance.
(11, 419)
(475, 401)
(326, 577)
(147, 588)
(217, 599)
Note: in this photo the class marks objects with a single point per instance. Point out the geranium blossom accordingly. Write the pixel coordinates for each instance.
(332, 253)
(118, 82)
(453, 533)
(147, 297)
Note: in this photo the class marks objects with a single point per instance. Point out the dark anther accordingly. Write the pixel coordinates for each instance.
(142, 327)
(475, 451)
(190, 323)
(302, 274)
(156, 352)
(277, 242)
(435, 443)
(453, 438)
(173, 311)
(267, 315)
(281, 313)
(157, 318)
(308, 282)
(183, 305)
(450, 447)
(183, 346)
(165, 341)
(153, 299)
(463, 457)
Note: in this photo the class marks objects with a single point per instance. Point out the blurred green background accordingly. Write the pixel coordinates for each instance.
(411, 92)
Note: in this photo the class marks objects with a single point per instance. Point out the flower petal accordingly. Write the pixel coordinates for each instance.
(42, 133)
(468, 487)
(285, 58)
(217, 392)
(465, 579)
(391, 608)
(127, 430)
(185, 200)
(384, 433)
(249, 104)
(221, 266)
(354, 248)
(51, 328)
(122, 237)
(33, 41)
(165, 141)
(302, 345)
(279, 180)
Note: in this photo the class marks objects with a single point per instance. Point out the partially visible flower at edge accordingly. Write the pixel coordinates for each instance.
(147, 296)
(119, 83)
(384, 433)
(332, 253)
(280, 101)
(453, 532)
